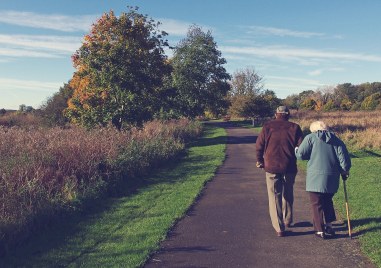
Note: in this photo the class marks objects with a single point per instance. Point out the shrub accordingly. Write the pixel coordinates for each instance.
(48, 171)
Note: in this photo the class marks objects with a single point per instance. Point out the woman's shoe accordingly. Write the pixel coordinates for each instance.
(329, 230)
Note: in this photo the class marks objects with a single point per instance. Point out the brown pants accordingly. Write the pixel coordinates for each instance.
(322, 209)
(280, 190)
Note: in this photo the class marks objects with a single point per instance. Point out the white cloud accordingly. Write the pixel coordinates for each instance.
(174, 27)
(315, 72)
(16, 84)
(12, 52)
(179, 28)
(44, 21)
(320, 71)
(299, 54)
(282, 32)
(285, 86)
(66, 44)
(303, 81)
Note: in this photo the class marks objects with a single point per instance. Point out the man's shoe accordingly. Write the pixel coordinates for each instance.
(288, 225)
(320, 235)
(329, 230)
(280, 234)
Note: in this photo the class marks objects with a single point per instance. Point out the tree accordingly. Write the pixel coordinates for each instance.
(292, 101)
(308, 104)
(329, 106)
(272, 102)
(371, 102)
(346, 104)
(120, 69)
(254, 106)
(53, 109)
(345, 92)
(246, 82)
(198, 73)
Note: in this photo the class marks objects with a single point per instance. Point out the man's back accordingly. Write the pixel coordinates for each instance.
(276, 144)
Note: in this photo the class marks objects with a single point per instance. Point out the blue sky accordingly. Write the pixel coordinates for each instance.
(295, 45)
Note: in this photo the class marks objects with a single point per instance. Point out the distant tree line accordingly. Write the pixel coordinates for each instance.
(347, 97)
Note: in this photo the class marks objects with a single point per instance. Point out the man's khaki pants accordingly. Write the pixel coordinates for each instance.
(280, 190)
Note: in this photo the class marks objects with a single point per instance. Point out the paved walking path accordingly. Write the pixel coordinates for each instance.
(229, 226)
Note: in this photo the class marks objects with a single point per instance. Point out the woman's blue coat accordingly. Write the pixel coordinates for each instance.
(327, 157)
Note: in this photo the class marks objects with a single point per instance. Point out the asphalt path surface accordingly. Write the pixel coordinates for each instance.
(229, 225)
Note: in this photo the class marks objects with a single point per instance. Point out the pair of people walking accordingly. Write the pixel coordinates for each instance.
(278, 146)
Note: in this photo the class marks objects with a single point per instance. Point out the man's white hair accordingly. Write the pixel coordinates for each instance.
(318, 125)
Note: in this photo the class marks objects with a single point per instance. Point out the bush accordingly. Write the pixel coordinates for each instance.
(48, 171)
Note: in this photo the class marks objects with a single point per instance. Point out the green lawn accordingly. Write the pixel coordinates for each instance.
(123, 231)
(364, 199)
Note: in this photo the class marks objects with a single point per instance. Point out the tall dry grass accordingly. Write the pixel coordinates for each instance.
(359, 130)
(11, 119)
(46, 171)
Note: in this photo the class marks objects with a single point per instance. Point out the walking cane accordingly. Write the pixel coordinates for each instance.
(347, 208)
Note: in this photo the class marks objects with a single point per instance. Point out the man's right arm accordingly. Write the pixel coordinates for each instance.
(299, 136)
(260, 146)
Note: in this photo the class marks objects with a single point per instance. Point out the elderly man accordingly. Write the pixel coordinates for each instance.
(275, 149)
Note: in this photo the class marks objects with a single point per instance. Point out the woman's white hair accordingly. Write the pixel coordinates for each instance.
(318, 125)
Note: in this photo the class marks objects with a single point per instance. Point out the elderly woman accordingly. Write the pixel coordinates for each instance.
(328, 158)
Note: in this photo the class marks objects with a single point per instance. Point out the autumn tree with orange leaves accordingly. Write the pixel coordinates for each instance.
(120, 69)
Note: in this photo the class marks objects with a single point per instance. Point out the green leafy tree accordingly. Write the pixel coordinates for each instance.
(329, 106)
(259, 106)
(198, 74)
(254, 106)
(120, 69)
(308, 104)
(292, 101)
(346, 91)
(346, 104)
(272, 102)
(238, 105)
(53, 109)
(371, 102)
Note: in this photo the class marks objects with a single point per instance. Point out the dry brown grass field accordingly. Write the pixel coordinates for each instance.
(47, 170)
(360, 130)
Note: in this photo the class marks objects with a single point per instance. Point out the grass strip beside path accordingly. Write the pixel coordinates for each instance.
(364, 199)
(123, 231)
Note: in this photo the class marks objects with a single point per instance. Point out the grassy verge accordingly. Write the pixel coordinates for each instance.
(364, 199)
(123, 231)
(245, 124)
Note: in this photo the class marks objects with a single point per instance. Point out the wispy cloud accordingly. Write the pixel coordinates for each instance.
(299, 54)
(179, 28)
(44, 21)
(315, 72)
(311, 82)
(29, 85)
(174, 27)
(286, 86)
(282, 32)
(66, 44)
(24, 53)
(320, 71)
